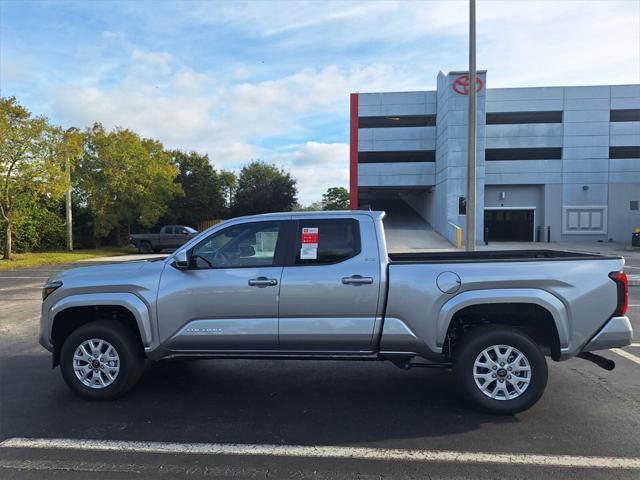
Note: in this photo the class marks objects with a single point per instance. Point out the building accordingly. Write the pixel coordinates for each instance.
(562, 161)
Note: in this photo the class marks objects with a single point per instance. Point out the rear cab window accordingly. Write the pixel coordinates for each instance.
(326, 241)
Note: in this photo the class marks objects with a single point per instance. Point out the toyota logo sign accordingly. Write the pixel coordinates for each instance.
(461, 84)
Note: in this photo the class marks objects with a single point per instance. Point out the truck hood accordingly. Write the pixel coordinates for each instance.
(108, 272)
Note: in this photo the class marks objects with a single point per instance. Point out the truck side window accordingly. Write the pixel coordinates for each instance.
(245, 245)
(337, 240)
(168, 230)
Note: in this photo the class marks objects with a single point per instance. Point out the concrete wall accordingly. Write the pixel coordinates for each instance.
(622, 219)
(585, 162)
(423, 203)
(396, 139)
(403, 174)
(396, 103)
(452, 157)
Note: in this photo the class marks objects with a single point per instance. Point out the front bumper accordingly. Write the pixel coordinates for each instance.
(617, 332)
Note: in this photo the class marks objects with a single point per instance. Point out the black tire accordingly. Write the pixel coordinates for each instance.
(470, 348)
(129, 351)
(144, 247)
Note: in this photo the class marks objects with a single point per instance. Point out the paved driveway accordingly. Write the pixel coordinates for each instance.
(380, 410)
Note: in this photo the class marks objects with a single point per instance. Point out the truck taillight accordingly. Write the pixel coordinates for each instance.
(623, 292)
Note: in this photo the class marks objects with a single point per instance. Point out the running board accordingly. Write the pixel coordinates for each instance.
(406, 365)
(598, 360)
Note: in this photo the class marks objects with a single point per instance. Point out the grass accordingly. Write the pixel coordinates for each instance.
(34, 259)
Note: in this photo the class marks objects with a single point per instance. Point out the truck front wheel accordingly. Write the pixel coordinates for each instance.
(101, 360)
(500, 369)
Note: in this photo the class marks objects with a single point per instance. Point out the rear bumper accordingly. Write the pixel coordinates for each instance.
(617, 332)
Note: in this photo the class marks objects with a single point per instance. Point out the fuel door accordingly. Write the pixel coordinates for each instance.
(448, 282)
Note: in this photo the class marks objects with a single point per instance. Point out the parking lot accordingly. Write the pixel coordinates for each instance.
(362, 419)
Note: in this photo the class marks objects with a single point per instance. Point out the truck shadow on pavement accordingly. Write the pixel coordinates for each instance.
(242, 401)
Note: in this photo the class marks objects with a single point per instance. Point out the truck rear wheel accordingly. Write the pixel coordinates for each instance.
(500, 370)
(145, 247)
(101, 360)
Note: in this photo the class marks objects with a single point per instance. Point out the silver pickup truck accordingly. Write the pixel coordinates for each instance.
(321, 285)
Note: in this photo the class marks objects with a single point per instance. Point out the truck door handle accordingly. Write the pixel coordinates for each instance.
(262, 282)
(357, 280)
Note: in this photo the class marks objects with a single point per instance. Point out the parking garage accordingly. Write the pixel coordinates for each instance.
(553, 163)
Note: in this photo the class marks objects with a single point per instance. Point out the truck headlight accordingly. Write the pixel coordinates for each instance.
(49, 288)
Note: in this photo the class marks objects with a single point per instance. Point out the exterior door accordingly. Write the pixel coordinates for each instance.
(329, 297)
(228, 299)
(509, 225)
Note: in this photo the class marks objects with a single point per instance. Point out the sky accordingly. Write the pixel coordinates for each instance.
(270, 80)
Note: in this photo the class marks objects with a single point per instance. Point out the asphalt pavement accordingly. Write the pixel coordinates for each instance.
(358, 418)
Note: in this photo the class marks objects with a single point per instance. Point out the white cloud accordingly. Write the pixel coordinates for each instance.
(189, 110)
(316, 166)
(240, 109)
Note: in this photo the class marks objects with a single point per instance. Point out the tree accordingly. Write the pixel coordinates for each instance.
(32, 156)
(202, 196)
(312, 207)
(264, 188)
(336, 198)
(229, 183)
(124, 180)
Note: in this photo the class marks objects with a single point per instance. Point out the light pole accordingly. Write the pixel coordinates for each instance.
(471, 145)
(68, 197)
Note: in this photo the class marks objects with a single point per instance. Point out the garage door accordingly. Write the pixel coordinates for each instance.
(509, 225)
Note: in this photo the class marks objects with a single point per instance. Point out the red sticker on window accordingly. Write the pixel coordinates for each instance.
(310, 235)
(309, 240)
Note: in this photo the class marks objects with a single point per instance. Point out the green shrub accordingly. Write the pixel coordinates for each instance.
(37, 227)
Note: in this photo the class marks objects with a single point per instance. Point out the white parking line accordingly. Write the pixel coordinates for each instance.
(355, 453)
(627, 355)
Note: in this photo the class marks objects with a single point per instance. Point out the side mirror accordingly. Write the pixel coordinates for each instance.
(181, 260)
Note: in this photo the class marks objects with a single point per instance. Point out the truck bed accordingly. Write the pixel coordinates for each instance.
(494, 256)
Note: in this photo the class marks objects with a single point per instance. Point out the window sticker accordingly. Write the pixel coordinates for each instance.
(309, 242)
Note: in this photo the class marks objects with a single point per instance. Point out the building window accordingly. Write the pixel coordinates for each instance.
(625, 115)
(492, 154)
(397, 121)
(462, 205)
(396, 157)
(507, 118)
(634, 205)
(624, 152)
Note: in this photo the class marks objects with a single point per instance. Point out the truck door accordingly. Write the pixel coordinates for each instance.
(165, 239)
(330, 286)
(228, 298)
